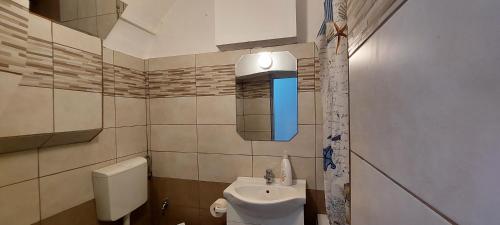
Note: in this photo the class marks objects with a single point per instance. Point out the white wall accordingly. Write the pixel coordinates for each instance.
(425, 110)
(188, 28)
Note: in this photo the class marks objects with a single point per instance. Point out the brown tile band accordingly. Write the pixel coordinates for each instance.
(108, 73)
(77, 70)
(130, 83)
(256, 89)
(13, 37)
(305, 73)
(215, 80)
(172, 83)
(39, 72)
(317, 82)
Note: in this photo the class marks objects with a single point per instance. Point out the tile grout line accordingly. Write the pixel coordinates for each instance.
(418, 198)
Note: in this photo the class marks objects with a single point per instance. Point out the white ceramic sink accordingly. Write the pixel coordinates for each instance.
(255, 197)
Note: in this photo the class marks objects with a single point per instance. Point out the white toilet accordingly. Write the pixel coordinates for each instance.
(121, 188)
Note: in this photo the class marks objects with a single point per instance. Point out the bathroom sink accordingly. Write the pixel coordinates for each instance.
(255, 197)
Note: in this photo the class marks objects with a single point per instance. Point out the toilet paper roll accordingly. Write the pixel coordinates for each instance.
(218, 208)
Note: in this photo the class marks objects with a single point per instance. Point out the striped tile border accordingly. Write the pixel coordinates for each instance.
(39, 66)
(130, 83)
(108, 73)
(13, 37)
(215, 80)
(77, 70)
(172, 83)
(306, 75)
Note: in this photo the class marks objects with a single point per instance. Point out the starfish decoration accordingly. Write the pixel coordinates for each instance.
(339, 33)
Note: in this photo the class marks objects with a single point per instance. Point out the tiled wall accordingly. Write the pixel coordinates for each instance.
(195, 148)
(425, 119)
(44, 80)
(365, 17)
(53, 185)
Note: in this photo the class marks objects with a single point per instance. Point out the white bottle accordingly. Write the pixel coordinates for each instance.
(286, 171)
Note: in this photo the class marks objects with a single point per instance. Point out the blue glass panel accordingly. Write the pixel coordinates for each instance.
(285, 117)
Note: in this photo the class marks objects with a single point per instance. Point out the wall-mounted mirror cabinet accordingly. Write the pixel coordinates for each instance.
(266, 96)
(94, 17)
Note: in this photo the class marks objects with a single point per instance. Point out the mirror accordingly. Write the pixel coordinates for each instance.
(266, 96)
(94, 17)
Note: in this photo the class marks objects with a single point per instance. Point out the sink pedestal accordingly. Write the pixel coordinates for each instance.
(237, 216)
(253, 202)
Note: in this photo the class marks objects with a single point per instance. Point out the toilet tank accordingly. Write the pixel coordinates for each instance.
(121, 188)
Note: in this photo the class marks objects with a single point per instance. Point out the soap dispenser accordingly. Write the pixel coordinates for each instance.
(286, 171)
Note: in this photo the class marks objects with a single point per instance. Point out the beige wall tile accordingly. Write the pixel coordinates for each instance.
(173, 62)
(319, 140)
(306, 108)
(222, 139)
(257, 106)
(105, 6)
(140, 154)
(72, 38)
(130, 111)
(175, 165)
(66, 157)
(258, 123)
(177, 138)
(180, 110)
(302, 144)
(219, 58)
(302, 168)
(130, 140)
(86, 8)
(376, 200)
(18, 166)
(127, 61)
(19, 204)
(28, 111)
(40, 27)
(302, 50)
(216, 109)
(65, 190)
(107, 55)
(258, 135)
(224, 168)
(320, 184)
(77, 110)
(319, 108)
(109, 112)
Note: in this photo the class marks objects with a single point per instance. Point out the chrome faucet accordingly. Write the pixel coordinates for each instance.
(269, 176)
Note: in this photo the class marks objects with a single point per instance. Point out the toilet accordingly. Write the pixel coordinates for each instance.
(119, 189)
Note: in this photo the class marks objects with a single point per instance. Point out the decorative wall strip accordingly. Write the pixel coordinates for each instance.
(317, 84)
(13, 37)
(77, 70)
(39, 66)
(365, 16)
(306, 75)
(108, 73)
(257, 89)
(215, 80)
(172, 83)
(130, 83)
